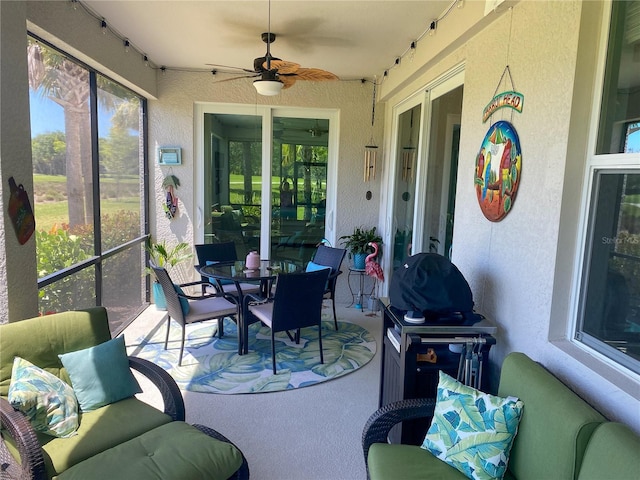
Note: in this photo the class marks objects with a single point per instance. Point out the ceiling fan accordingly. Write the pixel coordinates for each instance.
(275, 74)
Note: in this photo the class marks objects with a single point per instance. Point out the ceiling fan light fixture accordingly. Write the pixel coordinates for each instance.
(268, 87)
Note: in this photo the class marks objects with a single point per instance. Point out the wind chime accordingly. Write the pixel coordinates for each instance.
(371, 150)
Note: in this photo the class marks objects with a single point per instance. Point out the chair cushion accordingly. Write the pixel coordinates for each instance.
(100, 375)
(471, 430)
(99, 430)
(173, 451)
(48, 402)
(213, 307)
(39, 340)
(407, 462)
(263, 312)
(612, 452)
(554, 419)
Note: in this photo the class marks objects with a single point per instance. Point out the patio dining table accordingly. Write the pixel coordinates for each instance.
(237, 273)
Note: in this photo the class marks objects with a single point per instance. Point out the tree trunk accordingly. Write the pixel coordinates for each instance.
(78, 140)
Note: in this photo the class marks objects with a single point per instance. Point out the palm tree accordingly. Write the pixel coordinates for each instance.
(67, 84)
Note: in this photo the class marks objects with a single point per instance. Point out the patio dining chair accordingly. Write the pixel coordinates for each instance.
(329, 257)
(296, 303)
(222, 252)
(186, 309)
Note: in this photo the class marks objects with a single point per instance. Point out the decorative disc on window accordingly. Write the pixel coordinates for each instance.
(497, 173)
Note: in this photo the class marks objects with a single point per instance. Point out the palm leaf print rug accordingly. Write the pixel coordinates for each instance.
(212, 365)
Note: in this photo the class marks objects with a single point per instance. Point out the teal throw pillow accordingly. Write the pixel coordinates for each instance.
(48, 402)
(184, 303)
(314, 267)
(100, 375)
(471, 430)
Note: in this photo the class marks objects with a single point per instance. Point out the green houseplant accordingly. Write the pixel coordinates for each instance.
(167, 257)
(357, 244)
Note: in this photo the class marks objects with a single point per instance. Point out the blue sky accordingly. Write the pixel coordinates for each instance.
(50, 116)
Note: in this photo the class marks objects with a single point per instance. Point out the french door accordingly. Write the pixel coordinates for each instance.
(265, 178)
(426, 135)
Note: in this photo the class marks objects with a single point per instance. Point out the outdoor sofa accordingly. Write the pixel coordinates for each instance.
(559, 435)
(124, 439)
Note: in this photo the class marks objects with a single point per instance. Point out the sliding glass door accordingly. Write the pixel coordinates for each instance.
(280, 213)
(422, 189)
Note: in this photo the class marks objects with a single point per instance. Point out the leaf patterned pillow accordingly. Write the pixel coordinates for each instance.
(48, 402)
(471, 430)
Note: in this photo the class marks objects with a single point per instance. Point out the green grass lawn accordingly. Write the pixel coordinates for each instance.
(49, 214)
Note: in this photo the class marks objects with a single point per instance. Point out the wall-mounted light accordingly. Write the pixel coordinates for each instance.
(127, 46)
(103, 26)
(146, 60)
(432, 28)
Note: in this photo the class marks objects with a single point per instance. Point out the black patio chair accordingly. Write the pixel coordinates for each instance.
(222, 252)
(297, 303)
(186, 309)
(330, 257)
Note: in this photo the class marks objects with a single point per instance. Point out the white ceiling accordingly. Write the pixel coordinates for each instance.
(352, 39)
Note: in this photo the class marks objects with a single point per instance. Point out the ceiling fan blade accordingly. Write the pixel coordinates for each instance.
(237, 78)
(314, 74)
(288, 81)
(284, 67)
(233, 68)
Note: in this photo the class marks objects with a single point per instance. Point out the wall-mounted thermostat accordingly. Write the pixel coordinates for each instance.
(169, 155)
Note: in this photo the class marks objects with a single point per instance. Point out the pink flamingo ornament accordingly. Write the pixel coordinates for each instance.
(373, 269)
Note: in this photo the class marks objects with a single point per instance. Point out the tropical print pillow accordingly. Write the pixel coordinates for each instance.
(48, 402)
(471, 430)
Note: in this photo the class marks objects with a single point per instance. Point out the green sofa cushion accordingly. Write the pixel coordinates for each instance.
(613, 452)
(407, 462)
(173, 451)
(39, 340)
(555, 426)
(99, 430)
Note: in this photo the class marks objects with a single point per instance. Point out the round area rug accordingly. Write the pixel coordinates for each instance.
(212, 365)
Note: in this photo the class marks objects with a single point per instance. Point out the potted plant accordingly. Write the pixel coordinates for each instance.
(357, 244)
(167, 257)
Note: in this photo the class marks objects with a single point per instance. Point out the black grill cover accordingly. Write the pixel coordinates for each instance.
(431, 284)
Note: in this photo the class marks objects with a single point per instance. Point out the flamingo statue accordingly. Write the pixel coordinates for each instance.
(373, 269)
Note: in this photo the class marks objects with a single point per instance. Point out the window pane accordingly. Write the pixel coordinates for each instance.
(69, 293)
(620, 99)
(121, 174)
(405, 187)
(61, 154)
(611, 306)
(123, 286)
(299, 179)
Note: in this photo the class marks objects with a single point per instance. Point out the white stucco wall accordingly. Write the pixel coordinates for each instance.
(510, 265)
(171, 122)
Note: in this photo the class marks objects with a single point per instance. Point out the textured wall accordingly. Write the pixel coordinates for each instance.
(171, 122)
(511, 265)
(18, 289)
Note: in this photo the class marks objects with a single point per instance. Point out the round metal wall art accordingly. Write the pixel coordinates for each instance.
(497, 172)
